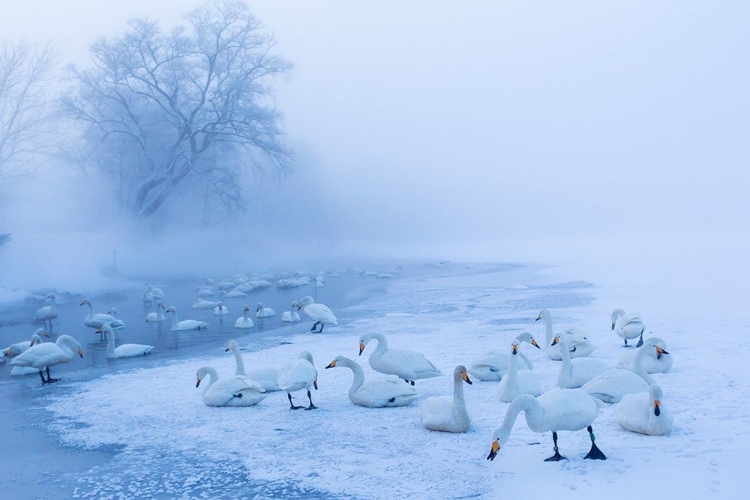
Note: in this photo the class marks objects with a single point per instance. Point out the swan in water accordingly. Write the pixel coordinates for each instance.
(157, 315)
(17, 371)
(204, 304)
(576, 372)
(243, 321)
(47, 313)
(517, 382)
(379, 392)
(156, 293)
(124, 350)
(493, 365)
(555, 410)
(221, 310)
(579, 345)
(267, 377)
(319, 313)
(628, 326)
(264, 312)
(645, 413)
(443, 413)
(188, 324)
(41, 356)
(299, 374)
(230, 391)
(204, 292)
(98, 320)
(234, 294)
(19, 347)
(291, 316)
(613, 384)
(654, 362)
(405, 364)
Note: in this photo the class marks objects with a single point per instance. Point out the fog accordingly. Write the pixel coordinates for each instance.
(452, 128)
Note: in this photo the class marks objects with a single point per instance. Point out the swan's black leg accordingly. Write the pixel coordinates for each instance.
(321, 328)
(626, 342)
(41, 374)
(556, 457)
(640, 340)
(312, 406)
(289, 395)
(50, 379)
(411, 382)
(315, 325)
(594, 453)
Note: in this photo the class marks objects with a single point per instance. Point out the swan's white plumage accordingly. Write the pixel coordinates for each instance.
(93, 320)
(613, 384)
(48, 312)
(291, 316)
(638, 413)
(298, 374)
(448, 414)
(653, 362)
(376, 392)
(156, 315)
(264, 312)
(578, 344)
(23, 346)
(517, 382)
(188, 324)
(320, 313)
(627, 325)
(236, 390)
(576, 372)
(221, 310)
(49, 354)
(267, 377)
(493, 365)
(405, 364)
(244, 321)
(204, 304)
(124, 350)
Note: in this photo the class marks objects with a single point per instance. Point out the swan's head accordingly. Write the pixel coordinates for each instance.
(160, 304)
(616, 314)
(544, 314)
(112, 311)
(105, 329)
(200, 375)
(41, 332)
(259, 308)
(306, 355)
(514, 348)
(656, 395)
(35, 339)
(460, 373)
(246, 308)
(335, 362)
(232, 345)
(660, 351)
(296, 305)
(555, 340)
(659, 347)
(51, 296)
(306, 301)
(527, 337)
(85, 301)
(499, 438)
(363, 340)
(171, 310)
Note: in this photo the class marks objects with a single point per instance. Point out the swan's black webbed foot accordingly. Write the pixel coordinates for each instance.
(594, 453)
(411, 382)
(392, 400)
(626, 342)
(292, 404)
(555, 458)
(321, 328)
(312, 406)
(315, 325)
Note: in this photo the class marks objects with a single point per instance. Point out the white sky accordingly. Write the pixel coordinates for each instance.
(476, 120)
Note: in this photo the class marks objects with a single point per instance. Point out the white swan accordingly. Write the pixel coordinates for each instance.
(234, 294)
(156, 293)
(98, 320)
(517, 382)
(579, 345)
(47, 313)
(292, 282)
(124, 350)
(291, 316)
(267, 377)
(576, 372)
(230, 391)
(188, 324)
(243, 321)
(405, 364)
(613, 384)
(264, 312)
(628, 326)
(659, 361)
(41, 356)
(17, 371)
(645, 413)
(443, 413)
(379, 392)
(493, 365)
(299, 374)
(204, 292)
(555, 410)
(320, 313)
(19, 347)
(221, 310)
(157, 315)
(204, 304)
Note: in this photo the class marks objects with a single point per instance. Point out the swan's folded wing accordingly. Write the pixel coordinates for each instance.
(381, 390)
(411, 359)
(250, 383)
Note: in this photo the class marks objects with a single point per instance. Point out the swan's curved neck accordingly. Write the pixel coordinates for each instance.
(240, 370)
(175, 322)
(91, 310)
(359, 376)
(639, 367)
(459, 404)
(566, 364)
(512, 373)
(244, 314)
(526, 360)
(382, 344)
(524, 402)
(110, 342)
(213, 376)
(547, 329)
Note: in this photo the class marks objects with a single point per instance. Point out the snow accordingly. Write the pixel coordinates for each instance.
(157, 417)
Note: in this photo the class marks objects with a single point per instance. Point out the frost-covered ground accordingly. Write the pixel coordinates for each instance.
(172, 446)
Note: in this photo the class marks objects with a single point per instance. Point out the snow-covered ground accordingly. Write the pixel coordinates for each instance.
(172, 445)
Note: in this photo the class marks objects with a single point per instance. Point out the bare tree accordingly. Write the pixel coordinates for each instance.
(192, 106)
(24, 106)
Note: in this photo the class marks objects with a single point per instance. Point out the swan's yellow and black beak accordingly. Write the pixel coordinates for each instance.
(659, 352)
(8, 352)
(299, 306)
(45, 333)
(80, 353)
(515, 348)
(225, 350)
(494, 450)
(332, 364)
(315, 383)
(657, 411)
(100, 330)
(361, 347)
(555, 341)
(197, 382)
(466, 378)
(82, 302)
(613, 326)
(533, 342)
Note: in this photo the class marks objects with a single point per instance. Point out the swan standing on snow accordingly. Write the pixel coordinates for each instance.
(23, 346)
(654, 362)
(264, 312)
(628, 326)
(221, 310)
(379, 392)
(319, 313)
(555, 410)
(579, 345)
(493, 365)
(244, 322)
(230, 391)
(443, 413)
(297, 375)
(188, 324)
(613, 384)
(47, 313)
(204, 304)
(41, 356)
(98, 320)
(291, 316)
(405, 364)
(645, 413)
(576, 372)
(124, 350)
(517, 382)
(267, 377)
(157, 315)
